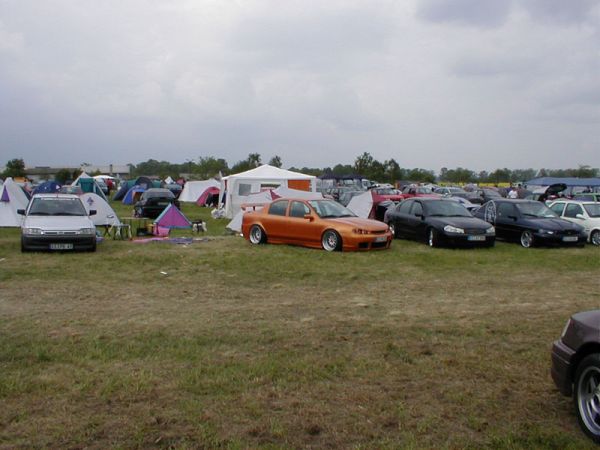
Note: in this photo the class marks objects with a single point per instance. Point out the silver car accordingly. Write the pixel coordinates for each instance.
(57, 222)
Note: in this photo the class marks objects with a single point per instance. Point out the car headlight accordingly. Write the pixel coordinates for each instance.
(360, 231)
(451, 229)
(32, 231)
(490, 230)
(542, 231)
(87, 231)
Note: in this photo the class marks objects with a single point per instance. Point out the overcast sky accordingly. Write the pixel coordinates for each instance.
(431, 83)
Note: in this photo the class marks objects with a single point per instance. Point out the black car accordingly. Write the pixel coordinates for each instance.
(530, 223)
(576, 368)
(438, 221)
(452, 191)
(487, 194)
(153, 202)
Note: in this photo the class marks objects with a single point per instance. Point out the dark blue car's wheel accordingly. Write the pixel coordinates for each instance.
(587, 395)
(526, 239)
(433, 238)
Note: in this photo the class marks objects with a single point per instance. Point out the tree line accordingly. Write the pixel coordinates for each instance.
(388, 171)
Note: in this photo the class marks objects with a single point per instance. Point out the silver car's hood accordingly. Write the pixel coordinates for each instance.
(58, 223)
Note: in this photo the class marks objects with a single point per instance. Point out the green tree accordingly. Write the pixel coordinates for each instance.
(276, 161)
(392, 170)
(14, 168)
(209, 166)
(363, 164)
(62, 176)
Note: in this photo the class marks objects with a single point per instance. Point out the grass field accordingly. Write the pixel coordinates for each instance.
(285, 347)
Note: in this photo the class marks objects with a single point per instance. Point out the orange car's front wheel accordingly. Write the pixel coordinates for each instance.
(331, 241)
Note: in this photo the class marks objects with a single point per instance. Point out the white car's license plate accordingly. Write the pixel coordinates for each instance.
(476, 238)
(569, 239)
(61, 246)
(380, 239)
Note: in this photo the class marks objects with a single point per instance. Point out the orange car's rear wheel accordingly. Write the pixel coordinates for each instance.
(331, 241)
(257, 235)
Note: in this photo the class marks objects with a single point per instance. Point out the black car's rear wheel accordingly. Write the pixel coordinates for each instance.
(526, 239)
(331, 241)
(587, 396)
(257, 235)
(394, 230)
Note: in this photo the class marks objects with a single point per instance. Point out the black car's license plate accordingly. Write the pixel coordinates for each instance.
(476, 238)
(569, 239)
(61, 246)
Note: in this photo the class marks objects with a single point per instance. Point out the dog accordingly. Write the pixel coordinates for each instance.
(198, 226)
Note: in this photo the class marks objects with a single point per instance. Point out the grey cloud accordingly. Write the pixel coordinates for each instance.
(480, 13)
(560, 11)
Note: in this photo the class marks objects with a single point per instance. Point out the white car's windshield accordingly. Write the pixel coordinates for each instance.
(56, 207)
(327, 209)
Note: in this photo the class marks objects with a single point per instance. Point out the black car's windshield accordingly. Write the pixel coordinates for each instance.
(446, 208)
(385, 191)
(327, 209)
(57, 207)
(535, 209)
(593, 209)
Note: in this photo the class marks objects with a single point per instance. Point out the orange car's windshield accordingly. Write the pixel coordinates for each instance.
(328, 209)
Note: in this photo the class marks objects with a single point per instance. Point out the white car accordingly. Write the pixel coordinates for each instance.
(586, 214)
(57, 222)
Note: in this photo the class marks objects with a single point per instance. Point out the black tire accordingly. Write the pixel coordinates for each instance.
(92, 248)
(257, 235)
(586, 396)
(394, 230)
(595, 237)
(433, 238)
(526, 239)
(24, 248)
(331, 241)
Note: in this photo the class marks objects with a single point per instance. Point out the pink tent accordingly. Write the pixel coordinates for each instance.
(208, 191)
(171, 217)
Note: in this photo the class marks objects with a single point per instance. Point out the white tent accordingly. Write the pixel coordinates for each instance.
(105, 215)
(12, 198)
(258, 201)
(362, 204)
(192, 190)
(236, 188)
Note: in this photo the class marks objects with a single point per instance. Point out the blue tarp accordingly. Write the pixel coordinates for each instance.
(48, 187)
(547, 181)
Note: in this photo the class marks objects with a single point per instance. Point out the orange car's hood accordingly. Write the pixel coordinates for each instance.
(367, 224)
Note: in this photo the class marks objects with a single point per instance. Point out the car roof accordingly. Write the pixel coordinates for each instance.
(568, 200)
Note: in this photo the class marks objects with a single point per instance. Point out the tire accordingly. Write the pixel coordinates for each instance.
(24, 249)
(526, 239)
(394, 230)
(595, 237)
(433, 239)
(586, 396)
(257, 235)
(331, 241)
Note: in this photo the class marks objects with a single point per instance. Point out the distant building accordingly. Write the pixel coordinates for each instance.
(37, 174)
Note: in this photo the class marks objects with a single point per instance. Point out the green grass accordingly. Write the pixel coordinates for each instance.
(286, 347)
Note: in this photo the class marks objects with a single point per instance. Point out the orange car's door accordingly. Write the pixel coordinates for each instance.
(302, 230)
(276, 221)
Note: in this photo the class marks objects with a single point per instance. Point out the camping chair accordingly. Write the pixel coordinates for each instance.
(120, 231)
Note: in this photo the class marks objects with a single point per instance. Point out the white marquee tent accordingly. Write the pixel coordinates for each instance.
(236, 188)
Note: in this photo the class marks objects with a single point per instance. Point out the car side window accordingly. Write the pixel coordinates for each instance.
(506, 209)
(558, 208)
(278, 208)
(417, 209)
(298, 209)
(404, 207)
(572, 210)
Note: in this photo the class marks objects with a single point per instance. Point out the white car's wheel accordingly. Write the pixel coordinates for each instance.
(595, 237)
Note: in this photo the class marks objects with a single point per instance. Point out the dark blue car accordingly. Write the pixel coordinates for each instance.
(530, 223)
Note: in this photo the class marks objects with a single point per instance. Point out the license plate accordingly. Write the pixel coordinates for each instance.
(61, 246)
(476, 238)
(380, 239)
(570, 239)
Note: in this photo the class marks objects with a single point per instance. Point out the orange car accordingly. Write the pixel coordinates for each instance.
(314, 223)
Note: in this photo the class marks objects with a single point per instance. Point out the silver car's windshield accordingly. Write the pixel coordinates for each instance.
(57, 207)
(328, 209)
(535, 209)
